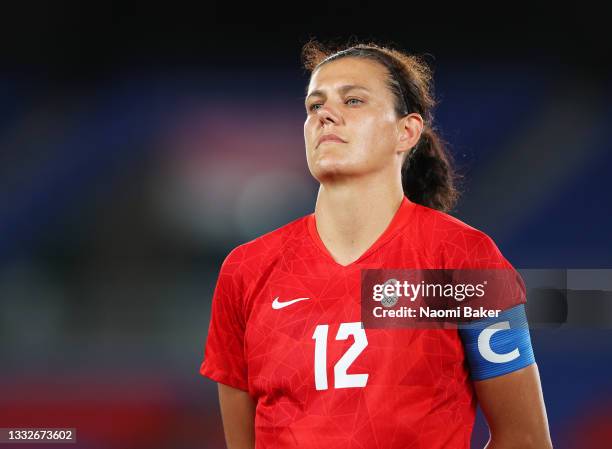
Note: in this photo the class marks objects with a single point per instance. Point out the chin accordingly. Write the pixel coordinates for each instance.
(332, 167)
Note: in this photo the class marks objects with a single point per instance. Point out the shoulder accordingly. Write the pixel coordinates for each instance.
(251, 256)
(460, 244)
(444, 226)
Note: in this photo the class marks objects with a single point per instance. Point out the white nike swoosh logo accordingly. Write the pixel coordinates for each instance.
(276, 304)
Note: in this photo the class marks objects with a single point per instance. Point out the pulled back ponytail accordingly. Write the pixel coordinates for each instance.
(428, 176)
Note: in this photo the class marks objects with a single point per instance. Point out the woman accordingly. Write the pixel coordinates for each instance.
(294, 364)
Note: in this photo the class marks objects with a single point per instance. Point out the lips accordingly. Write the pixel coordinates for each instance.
(330, 138)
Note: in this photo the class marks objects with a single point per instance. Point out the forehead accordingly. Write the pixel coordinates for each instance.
(349, 70)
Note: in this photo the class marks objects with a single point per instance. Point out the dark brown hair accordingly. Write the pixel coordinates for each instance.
(428, 176)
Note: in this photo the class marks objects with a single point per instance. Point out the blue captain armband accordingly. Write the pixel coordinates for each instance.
(498, 346)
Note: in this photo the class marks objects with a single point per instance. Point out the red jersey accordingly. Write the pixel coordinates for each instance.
(285, 327)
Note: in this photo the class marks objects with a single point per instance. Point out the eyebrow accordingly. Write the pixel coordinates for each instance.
(342, 89)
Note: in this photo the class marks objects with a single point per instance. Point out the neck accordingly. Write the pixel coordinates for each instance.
(352, 215)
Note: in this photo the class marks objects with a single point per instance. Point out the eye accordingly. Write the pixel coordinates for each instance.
(353, 101)
(313, 107)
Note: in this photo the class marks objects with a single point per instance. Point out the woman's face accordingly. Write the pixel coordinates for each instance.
(351, 127)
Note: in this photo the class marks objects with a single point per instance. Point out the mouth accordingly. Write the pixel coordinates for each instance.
(329, 138)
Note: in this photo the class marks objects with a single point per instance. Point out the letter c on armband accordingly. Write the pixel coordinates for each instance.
(495, 347)
(484, 344)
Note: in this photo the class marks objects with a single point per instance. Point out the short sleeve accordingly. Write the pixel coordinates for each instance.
(224, 358)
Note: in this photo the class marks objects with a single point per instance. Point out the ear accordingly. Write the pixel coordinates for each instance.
(410, 129)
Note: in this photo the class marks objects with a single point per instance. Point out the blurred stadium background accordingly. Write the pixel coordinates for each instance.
(137, 149)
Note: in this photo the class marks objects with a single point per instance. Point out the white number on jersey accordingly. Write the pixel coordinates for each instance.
(341, 378)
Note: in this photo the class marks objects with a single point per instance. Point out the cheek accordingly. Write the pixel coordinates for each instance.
(308, 130)
(376, 134)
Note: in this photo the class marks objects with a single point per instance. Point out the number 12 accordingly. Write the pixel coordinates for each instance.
(341, 378)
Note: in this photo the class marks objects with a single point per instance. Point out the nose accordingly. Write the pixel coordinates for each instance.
(328, 115)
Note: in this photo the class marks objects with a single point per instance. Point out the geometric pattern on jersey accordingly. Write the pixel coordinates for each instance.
(418, 392)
